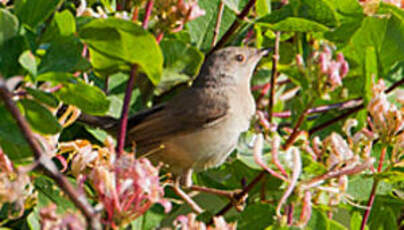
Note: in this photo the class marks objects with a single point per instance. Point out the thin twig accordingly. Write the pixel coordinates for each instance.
(351, 111)
(275, 59)
(323, 108)
(374, 189)
(240, 195)
(218, 22)
(233, 27)
(295, 132)
(46, 163)
(229, 194)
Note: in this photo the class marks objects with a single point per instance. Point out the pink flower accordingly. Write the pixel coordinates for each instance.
(189, 222)
(50, 220)
(127, 188)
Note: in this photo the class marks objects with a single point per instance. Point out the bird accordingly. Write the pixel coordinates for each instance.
(198, 128)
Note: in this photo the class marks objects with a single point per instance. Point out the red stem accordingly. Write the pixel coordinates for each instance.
(148, 11)
(275, 59)
(373, 192)
(125, 112)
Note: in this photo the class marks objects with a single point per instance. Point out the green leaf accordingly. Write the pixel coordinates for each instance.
(385, 34)
(297, 25)
(12, 141)
(201, 29)
(371, 73)
(28, 61)
(8, 25)
(319, 12)
(43, 97)
(356, 220)
(255, 216)
(64, 55)
(263, 7)
(40, 118)
(63, 24)
(318, 220)
(124, 41)
(32, 13)
(10, 51)
(90, 99)
(49, 193)
(181, 63)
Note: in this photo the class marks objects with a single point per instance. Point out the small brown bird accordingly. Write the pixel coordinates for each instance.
(198, 128)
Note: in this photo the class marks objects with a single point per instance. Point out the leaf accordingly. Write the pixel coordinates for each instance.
(43, 97)
(263, 7)
(181, 63)
(318, 220)
(64, 55)
(32, 13)
(356, 221)
(49, 193)
(124, 41)
(371, 73)
(12, 141)
(297, 25)
(63, 24)
(28, 62)
(319, 12)
(90, 99)
(40, 118)
(255, 216)
(201, 29)
(10, 51)
(8, 25)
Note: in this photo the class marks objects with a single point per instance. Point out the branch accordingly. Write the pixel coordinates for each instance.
(295, 132)
(352, 111)
(240, 195)
(46, 163)
(218, 22)
(233, 27)
(275, 59)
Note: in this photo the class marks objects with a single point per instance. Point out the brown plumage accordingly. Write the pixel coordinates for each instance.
(199, 127)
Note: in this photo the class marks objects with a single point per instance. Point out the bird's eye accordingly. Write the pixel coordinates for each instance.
(240, 58)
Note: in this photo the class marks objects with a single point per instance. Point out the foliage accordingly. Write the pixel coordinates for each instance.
(330, 144)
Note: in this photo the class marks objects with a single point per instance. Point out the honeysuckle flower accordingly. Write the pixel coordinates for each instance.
(335, 70)
(15, 187)
(50, 220)
(189, 222)
(173, 14)
(125, 187)
(386, 119)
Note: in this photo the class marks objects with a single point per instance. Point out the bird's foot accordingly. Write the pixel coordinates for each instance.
(194, 206)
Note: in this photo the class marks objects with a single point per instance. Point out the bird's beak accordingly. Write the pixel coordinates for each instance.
(264, 52)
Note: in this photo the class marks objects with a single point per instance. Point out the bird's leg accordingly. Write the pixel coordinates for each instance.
(177, 189)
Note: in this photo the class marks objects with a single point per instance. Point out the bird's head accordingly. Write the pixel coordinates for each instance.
(231, 65)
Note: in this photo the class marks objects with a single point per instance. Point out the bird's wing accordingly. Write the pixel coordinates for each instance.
(190, 111)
